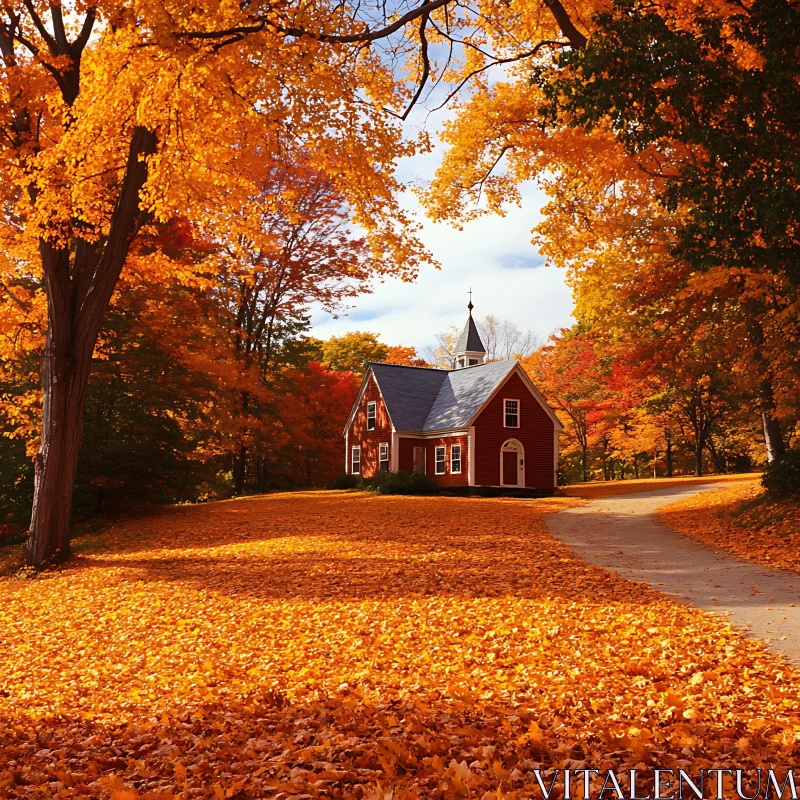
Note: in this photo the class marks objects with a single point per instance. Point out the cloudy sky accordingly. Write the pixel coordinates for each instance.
(493, 255)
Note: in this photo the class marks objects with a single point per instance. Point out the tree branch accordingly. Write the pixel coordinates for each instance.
(43, 32)
(18, 300)
(86, 30)
(426, 65)
(495, 62)
(575, 37)
(58, 27)
(423, 10)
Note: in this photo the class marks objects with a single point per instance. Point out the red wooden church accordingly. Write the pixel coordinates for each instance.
(479, 424)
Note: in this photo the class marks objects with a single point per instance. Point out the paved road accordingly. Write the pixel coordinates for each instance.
(623, 534)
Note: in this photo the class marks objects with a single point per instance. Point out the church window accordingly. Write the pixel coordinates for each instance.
(440, 460)
(455, 459)
(511, 413)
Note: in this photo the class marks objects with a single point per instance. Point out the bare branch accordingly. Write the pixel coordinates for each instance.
(426, 65)
(239, 31)
(482, 181)
(495, 62)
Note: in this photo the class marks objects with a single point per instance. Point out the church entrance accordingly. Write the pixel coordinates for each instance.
(512, 464)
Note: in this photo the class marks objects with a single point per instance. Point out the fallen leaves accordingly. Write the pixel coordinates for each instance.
(742, 520)
(331, 645)
(596, 489)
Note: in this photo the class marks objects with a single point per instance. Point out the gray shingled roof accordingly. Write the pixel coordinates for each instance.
(409, 393)
(470, 339)
(464, 392)
(435, 399)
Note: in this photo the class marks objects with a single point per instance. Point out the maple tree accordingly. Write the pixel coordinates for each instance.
(708, 99)
(352, 351)
(302, 252)
(112, 118)
(164, 415)
(708, 93)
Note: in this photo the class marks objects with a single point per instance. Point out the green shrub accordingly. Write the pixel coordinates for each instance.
(400, 483)
(219, 488)
(344, 481)
(781, 478)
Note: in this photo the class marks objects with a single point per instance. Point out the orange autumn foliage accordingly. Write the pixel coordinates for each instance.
(353, 646)
(743, 522)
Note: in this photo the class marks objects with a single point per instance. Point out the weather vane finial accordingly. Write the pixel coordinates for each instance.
(470, 306)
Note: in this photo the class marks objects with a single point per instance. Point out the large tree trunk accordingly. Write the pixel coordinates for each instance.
(65, 376)
(78, 295)
(583, 464)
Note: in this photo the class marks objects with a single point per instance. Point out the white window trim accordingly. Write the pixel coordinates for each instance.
(372, 406)
(460, 451)
(519, 413)
(355, 449)
(436, 461)
(383, 447)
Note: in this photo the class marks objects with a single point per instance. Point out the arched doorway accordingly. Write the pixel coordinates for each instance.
(512, 463)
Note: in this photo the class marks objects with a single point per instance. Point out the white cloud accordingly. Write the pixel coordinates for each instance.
(493, 255)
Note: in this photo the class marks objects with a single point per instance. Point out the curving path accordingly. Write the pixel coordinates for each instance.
(622, 533)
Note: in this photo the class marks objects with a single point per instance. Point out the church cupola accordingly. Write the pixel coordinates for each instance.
(469, 348)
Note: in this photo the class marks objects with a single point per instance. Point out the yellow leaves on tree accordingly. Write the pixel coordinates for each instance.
(116, 116)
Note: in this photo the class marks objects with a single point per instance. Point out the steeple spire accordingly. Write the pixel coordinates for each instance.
(469, 349)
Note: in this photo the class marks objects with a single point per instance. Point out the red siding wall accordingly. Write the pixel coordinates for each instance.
(369, 440)
(535, 433)
(406, 462)
(405, 448)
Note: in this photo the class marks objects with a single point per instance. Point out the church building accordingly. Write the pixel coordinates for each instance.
(478, 424)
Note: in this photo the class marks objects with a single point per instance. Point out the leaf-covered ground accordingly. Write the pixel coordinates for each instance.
(328, 645)
(596, 489)
(742, 520)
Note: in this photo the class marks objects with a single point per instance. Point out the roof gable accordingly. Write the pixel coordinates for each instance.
(408, 392)
(464, 392)
(536, 394)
